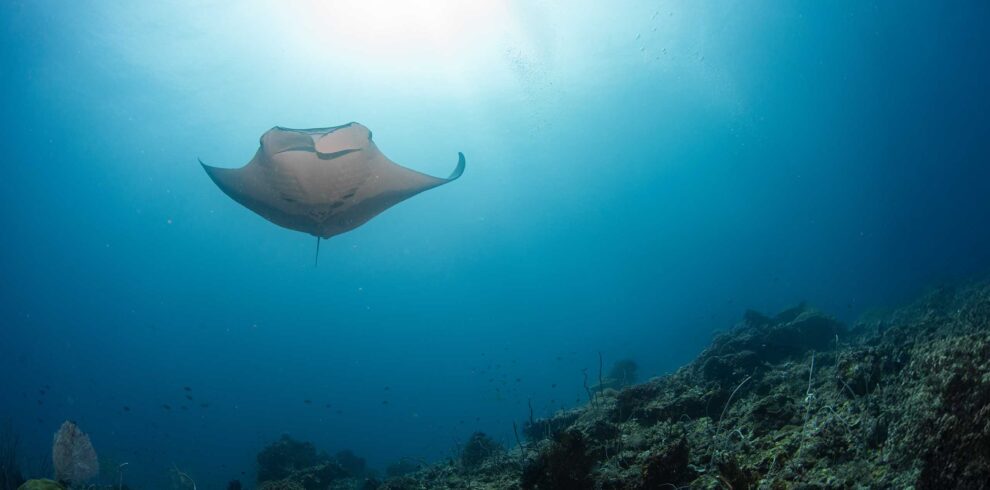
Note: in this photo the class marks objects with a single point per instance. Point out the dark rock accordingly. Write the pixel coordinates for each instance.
(566, 464)
(479, 448)
(400, 468)
(540, 429)
(959, 456)
(730, 366)
(774, 412)
(759, 340)
(320, 476)
(602, 431)
(351, 463)
(668, 467)
(285, 456)
(731, 474)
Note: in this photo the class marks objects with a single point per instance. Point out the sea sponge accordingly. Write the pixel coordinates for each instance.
(41, 485)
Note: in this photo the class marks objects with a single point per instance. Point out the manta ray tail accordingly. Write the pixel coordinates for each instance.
(316, 261)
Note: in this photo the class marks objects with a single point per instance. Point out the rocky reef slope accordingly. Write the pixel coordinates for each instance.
(790, 401)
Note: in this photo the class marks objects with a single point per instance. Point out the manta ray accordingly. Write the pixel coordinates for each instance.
(323, 181)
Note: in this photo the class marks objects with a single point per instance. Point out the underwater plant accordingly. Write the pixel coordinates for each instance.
(623, 373)
(182, 479)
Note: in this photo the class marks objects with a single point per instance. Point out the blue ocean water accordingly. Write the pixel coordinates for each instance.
(638, 174)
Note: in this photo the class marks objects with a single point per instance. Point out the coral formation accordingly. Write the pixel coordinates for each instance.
(564, 463)
(622, 374)
(288, 464)
(793, 400)
(73, 455)
(351, 463)
(401, 467)
(478, 449)
(283, 457)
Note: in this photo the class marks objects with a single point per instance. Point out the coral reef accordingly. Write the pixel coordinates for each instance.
(288, 464)
(563, 463)
(793, 400)
(283, 457)
(351, 463)
(478, 449)
(401, 467)
(622, 374)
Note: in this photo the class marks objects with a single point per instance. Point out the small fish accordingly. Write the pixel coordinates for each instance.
(166, 406)
(188, 397)
(384, 402)
(553, 385)
(328, 405)
(187, 388)
(386, 388)
(308, 402)
(127, 409)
